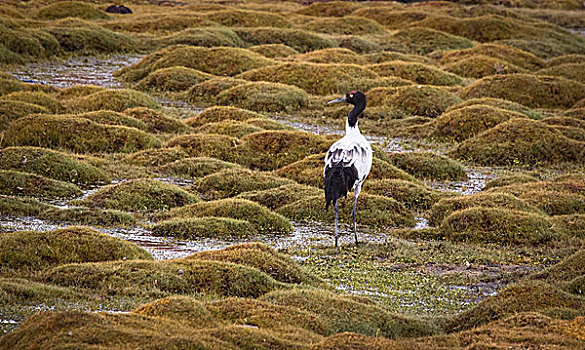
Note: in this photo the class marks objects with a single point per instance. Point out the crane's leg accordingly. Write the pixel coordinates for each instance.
(336, 214)
(354, 212)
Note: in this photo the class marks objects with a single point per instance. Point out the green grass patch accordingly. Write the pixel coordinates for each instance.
(172, 79)
(480, 66)
(346, 25)
(205, 93)
(510, 54)
(427, 165)
(194, 167)
(498, 103)
(115, 100)
(64, 9)
(205, 227)
(222, 147)
(114, 118)
(280, 196)
(218, 114)
(17, 183)
(412, 195)
(298, 39)
(155, 157)
(83, 38)
(156, 120)
(416, 72)
(423, 41)
(229, 127)
(12, 110)
(203, 36)
(264, 97)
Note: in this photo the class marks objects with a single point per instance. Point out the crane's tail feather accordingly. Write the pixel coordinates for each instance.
(338, 181)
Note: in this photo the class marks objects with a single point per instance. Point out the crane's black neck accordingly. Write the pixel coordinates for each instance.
(352, 117)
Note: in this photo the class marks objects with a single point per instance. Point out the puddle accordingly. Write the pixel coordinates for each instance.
(475, 182)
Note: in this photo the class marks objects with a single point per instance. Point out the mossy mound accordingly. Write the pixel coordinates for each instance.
(246, 18)
(382, 211)
(216, 60)
(548, 48)
(572, 225)
(265, 97)
(309, 171)
(64, 9)
(156, 157)
(20, 43)
(24, 184)
(194, 167)
(568, 269)
(343, 314)
(423, 41)
(269, 124)
(12, 110)
(498, 225)
(482, 66)
(416, 72)
(206, 227)
(83, 38)
(11, 84)
(565, 59)
(264, 220)
(509, 180)
(447, 206)
(273, 149)
(333, 55)
(273, 50)
(386, 56)
(427, 165)
(77, 91)
(115, 100)
(573, 71)
(298, 39)
(412, 195)
(555, 202)
(523, 297)
(53, 164)
(357, 44)
(156, 120)
(233, 181)
(519, 141)
(35, 250)
(217, 114)
(498, 103)
(420, 100)
(205, 93)
(172, 79)
(139, 195)
(205, 36)
(329, 9)
(76, 134)
(89, 216)
(229, 127)
(565, 121)
(275, 198)
(347, 25)
(506, 53)
(529, 90)
(463, 123)
(114, 118)
(392, 18)
(262, 257)
(159, 23)
(36, 98)
(315, 78)
(160, 278)
(222, 147)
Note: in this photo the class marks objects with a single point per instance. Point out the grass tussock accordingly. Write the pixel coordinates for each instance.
(205, 93)
(222, 147)
(333, 55)
(17, 183)
(113, 118)
(52, 164)
(204, 36)
(348, 25)
(416, 72)
(12, 110)
(329, 9)
(519, 142)
(565, 271)
(155, 157)
(427, 165)
(205, 227)
(218, 114)
(83, 38)
(143, 195)
(298, 39)
(507, 180)
(77, 91)
(572, 225)
(424, 41)
(573, 71)
(36, 98)
(411, 194)
(273, 50)
(115, 100)
(506, 53)
(482, 66)
(265, 97)
(418, 100)
(76, 134)
(233, 181)
(33, 250)
(229, 127)
(277, 197)
(264, 220)
(64, 9)
(159, 23)
(156, 120)
(172, 79)
(498, 103)
(246, 18)
(194, 167)
(392, 18)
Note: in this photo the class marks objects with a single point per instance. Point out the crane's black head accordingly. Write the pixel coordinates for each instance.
(353, 97)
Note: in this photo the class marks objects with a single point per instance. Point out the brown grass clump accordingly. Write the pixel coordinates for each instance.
(25, 184)
(333, 55)
(565, 59)
(217, 114)
(77, 91)
(357, 44)
(159, 23)
(246, 18)
(222, 147)
(273, 149)
(216, 60)
(519, 141)
(76, 134)
(155, 157)
(346, 25)
(498, 103)
(139, 195)
(205, 36)
(233, 181)
(309, 171)
(64, 9)
(83, 38)
(264, 220)
(329, 9)
(260, 256)
(382, 211)
(343, 314)
(115, 100)
(510, 180)
(265, 97)
(53, 164)
(529, 90)
(205, 93)
(273, 50)
(156, 120)
(172, 79)
(194, 167)
(411, 194)
(385, 56)
(416, 72)
(572, 225)
(275, 198)
(207, 227)
(568, 269)
(427, 165)
(447, 206)
(298, 39)
(498, 225)
(481, 66)
(466, 122)
(509, 54)
(33, 250)
(420, 100)
(113, 118)
(573, 71)
(37, 98)
(423, 41)
(229, 127)
(392, 19)
(12, 110)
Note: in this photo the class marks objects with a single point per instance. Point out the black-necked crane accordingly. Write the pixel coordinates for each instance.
(348, 161)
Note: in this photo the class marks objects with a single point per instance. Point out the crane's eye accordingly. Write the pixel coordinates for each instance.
(350, 95)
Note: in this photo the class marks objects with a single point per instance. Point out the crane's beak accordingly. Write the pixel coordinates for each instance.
(341, 99)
